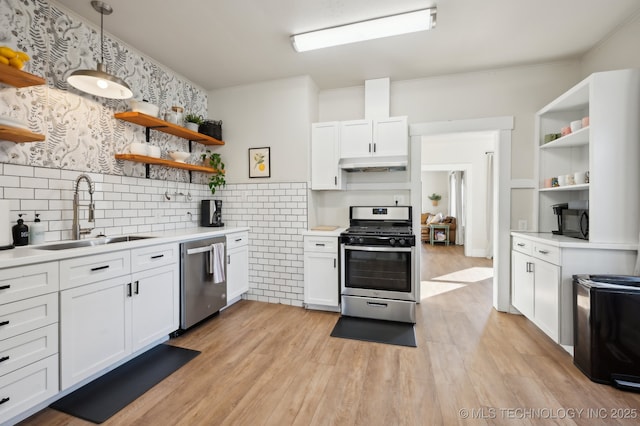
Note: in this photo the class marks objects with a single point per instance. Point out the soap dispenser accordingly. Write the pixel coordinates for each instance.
(20, 233)
(36, 232)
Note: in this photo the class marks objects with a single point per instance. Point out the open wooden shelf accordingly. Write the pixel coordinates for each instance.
(18, 78)
(162, 162)
(166, 127)
(16, 134)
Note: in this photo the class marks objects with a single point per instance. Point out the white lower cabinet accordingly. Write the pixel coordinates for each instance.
(237, 266)
(28, 386)
(155, 305)
(105, 321)
(95, 328)
(522, 283)
(546, 298)
(535, 285)
(28, 337)
(321, 274)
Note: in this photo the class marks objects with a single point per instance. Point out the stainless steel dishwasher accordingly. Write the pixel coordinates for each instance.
(203, 283)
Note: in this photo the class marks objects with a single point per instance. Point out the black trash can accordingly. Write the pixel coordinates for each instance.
(606, 329)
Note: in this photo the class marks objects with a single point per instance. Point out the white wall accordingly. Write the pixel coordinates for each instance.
(618, 51)
(437, 182)
(276, 114)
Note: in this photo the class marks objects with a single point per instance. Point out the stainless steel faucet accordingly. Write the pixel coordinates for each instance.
(77, 231)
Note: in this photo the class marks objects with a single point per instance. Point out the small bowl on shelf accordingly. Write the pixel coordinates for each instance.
(179, 156)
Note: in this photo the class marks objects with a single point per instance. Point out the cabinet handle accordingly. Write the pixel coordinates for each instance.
(334, 263)
(543, 251)
(129, 290)
(157, 256)
(520, 244)
(98, 268)
(335, 180)
(3, 400)
(229, 260)
(137, 288)
(238, 240)
(4, 358)
(374, 148)
(319, 244)
(4, 287)
(369, 147)
(4, 323)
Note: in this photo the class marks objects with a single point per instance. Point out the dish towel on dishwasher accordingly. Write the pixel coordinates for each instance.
(217, 258)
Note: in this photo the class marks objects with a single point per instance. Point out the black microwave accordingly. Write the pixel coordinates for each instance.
(573, 219)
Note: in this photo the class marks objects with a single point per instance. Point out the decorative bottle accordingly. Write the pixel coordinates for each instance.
(20, 233)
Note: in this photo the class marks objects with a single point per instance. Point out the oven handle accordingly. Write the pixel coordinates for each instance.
(388, 249)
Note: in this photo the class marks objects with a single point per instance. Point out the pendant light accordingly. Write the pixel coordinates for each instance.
(99, 82)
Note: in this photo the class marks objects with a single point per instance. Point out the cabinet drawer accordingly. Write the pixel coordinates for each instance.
(29, 314)
(23, 282)
(85, 270)
(237, 239)
(28, 386)
(153, 257)
(547, 253)
(321, 244)
(522, 245)
(27, 348)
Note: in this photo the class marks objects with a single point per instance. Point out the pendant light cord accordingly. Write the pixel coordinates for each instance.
(102, 36)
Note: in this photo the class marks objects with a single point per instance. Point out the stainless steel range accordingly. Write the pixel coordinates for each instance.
(377, 254)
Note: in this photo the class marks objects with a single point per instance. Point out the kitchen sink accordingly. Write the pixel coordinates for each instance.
(93, 242)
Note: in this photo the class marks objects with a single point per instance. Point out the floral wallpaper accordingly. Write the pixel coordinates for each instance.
(80, 130)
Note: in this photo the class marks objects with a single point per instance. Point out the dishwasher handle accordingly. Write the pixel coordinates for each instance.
(197, 250)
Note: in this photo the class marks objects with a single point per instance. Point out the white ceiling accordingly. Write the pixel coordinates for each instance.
(225, 43)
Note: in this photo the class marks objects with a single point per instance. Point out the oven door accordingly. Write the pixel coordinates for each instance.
(383, 272)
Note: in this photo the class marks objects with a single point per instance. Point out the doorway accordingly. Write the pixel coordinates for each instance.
(501, 205)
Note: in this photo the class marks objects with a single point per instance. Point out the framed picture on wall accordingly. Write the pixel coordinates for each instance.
(259, 162)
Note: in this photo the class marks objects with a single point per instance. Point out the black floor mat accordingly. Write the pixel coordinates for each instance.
(105, 396)
(370, 330)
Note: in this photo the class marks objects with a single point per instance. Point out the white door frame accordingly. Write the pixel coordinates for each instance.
(502, 194)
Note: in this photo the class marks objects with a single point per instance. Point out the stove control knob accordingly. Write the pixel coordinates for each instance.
(352, 240)
(361, 240)
(392, 241)
(402, 241)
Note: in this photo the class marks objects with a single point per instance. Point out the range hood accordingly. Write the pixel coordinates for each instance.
(374, 164)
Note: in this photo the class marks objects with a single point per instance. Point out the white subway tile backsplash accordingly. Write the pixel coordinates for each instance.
(275, 213)
(17, 170)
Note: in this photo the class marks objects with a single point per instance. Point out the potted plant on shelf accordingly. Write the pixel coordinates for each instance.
(214, 160)
(193, 121)
(434, 198)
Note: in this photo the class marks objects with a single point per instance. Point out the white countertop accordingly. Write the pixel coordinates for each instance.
(25, 255)
(315, 233)
(568, 242)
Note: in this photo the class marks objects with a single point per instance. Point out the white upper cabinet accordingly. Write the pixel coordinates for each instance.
(380, 137)
(391, 136)
(325, 156)
(608, 148)
(357, 138)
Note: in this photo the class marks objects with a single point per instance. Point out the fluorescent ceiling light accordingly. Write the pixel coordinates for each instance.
(387, 26)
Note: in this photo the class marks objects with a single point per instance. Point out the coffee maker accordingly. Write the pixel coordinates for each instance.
(211, 213)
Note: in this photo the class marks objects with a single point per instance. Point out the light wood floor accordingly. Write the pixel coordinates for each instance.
(277, 365)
